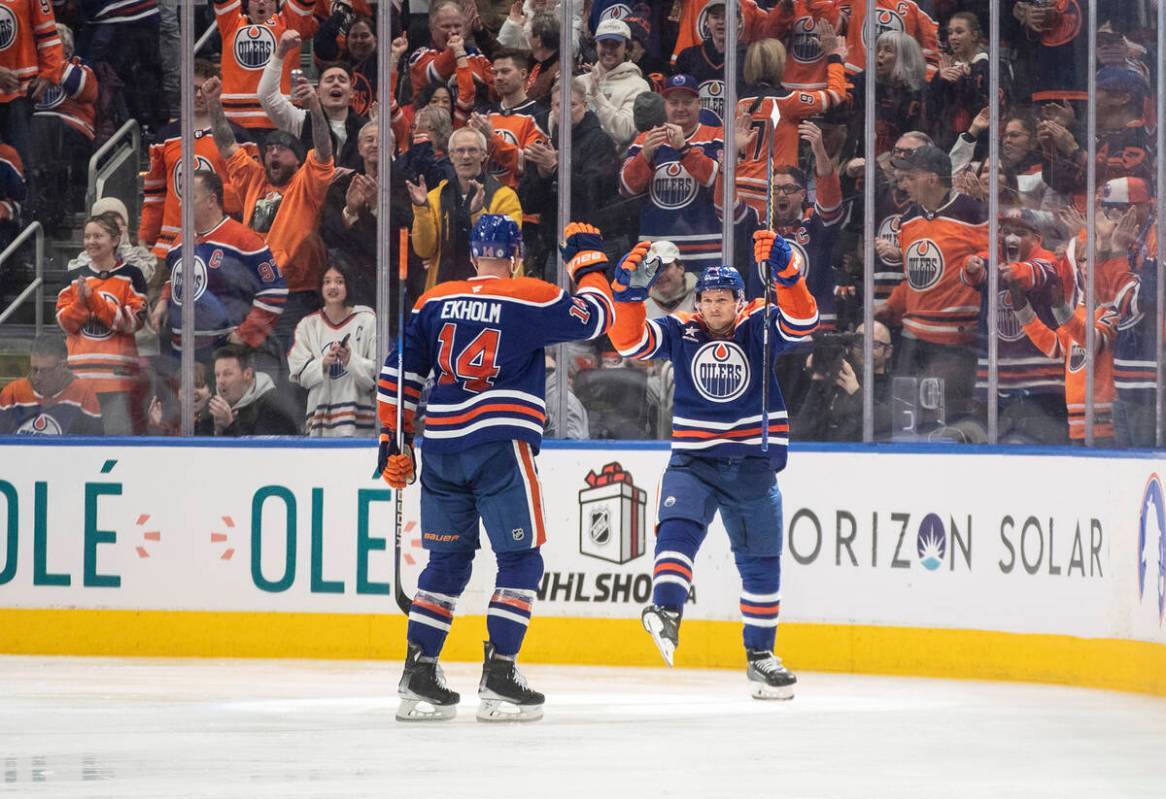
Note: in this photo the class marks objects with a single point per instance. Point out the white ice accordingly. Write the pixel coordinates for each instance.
(117, 729)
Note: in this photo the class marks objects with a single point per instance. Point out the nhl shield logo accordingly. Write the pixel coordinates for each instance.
(612, 516)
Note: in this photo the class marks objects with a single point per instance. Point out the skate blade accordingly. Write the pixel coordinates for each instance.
(499, 710)
(782, 693)
(655, 627)
(421, 710)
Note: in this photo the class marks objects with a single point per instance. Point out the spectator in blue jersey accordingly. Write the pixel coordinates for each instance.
(240, 292)
(125, 35)
(245, 402)
(706, 62)
(726, 444)
(51, 400)
(676, 165)
(484, 339)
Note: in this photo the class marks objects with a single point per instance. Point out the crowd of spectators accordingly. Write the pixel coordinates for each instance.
(287, 133)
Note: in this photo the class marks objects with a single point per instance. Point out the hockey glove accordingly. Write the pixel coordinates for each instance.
(394, 466)
(582, 250)
(635, 274)
(774, 251)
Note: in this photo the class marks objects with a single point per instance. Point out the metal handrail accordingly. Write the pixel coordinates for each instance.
(206, 37)
(130, 128)
(37, 285)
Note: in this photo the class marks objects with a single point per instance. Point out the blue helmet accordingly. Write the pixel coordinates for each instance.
(721, 277)
(496, 236)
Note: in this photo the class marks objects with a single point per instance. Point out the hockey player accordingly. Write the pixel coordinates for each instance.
(718, 463)
(483, 338)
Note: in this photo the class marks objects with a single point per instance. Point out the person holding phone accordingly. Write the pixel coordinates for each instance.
(333, 356)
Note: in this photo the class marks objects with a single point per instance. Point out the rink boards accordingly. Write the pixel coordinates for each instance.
(985, 563)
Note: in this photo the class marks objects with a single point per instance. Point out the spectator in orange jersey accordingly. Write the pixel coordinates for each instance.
(251, 30)
(283, 198)
(30, 62)
(100, 311)
(938, 312)
(51, 400)
(436, 64)
(62, 126)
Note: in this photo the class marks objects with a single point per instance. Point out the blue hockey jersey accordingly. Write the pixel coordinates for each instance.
(483, 339)
(717, 404)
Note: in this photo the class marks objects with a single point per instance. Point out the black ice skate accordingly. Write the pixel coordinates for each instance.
(424, 694)
(768, 679)
(664, 627)
(504, 693)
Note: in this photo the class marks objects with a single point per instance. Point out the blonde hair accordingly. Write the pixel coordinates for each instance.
(435, 119)
(765, 62)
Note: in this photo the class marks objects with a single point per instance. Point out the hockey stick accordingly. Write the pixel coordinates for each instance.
(766, 345)
(403, 600)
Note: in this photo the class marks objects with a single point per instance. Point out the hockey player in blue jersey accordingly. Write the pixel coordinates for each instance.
(483, 340)
(718, 463)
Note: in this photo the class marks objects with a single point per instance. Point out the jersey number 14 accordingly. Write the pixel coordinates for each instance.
(475, 365)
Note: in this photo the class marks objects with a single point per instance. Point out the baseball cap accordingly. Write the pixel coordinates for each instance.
(1020, 217)
(110, 204)
(666, 251)
(1120, 79)
(681, 83)
(612, 29)
(927, 158)
(1126, 191)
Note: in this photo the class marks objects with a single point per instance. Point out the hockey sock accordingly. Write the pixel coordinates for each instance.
(760, 599)
(438, 589)
(677, 542)
(510, 606)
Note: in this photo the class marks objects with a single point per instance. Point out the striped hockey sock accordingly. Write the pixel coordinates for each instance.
(430, 618)
(677, 541)
(760, 600)
(507, 619)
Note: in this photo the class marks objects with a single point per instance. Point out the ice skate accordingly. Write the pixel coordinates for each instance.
(664, 627)
(768, 679)
(424, 694)
(505, 696)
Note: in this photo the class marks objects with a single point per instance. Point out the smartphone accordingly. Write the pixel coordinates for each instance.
(297, 75)
(344, 341)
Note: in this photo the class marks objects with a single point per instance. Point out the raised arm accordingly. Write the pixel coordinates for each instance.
(212, 89)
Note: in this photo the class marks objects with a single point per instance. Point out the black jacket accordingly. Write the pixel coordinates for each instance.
(345, 156)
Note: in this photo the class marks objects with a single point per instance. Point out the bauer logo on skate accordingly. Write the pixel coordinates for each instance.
(720, 371)
(672, 186)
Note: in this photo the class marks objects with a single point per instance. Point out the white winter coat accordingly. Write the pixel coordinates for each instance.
(341, 404)
(518, 36)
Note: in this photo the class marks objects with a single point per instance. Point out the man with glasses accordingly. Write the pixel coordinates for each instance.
(444, 216)
(51, 400)
(832, 410)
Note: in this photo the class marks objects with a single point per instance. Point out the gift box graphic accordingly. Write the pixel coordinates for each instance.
(612, 516)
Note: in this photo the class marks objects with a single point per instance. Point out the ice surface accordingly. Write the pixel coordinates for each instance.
(74, 727)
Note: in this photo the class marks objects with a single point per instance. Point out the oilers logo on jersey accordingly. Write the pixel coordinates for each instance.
(200, 280)
(1076, 358)
(616, 11)
(493, 167)
(712, 97)
(672, 187)
(94, 329)
(889, 230)
(201, 164)
(53, 96)
(924, 265)
(720, 371)
(40, 425)
(1008, 327)
(888, 21)
(9, 27)
(805, 46)
(254, 46)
